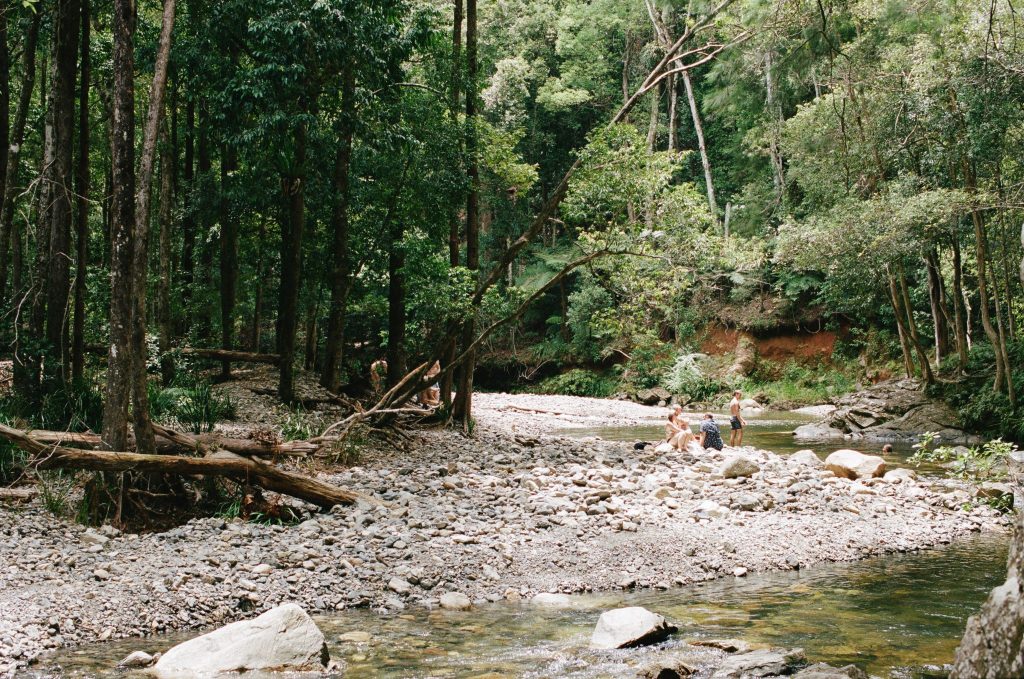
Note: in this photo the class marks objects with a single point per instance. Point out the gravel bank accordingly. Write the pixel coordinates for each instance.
(506, 514)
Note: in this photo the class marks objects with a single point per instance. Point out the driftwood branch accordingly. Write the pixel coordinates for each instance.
(220, 463)
(176, 442)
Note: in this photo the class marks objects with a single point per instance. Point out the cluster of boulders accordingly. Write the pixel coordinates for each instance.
(894, 410)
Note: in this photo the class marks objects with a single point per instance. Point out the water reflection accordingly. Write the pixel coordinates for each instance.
(894, 616)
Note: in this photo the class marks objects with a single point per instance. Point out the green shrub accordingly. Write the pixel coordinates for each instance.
(685, 377)
(986, 462)
(578, 382)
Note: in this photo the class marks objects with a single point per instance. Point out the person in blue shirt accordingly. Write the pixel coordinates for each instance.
(710, 435)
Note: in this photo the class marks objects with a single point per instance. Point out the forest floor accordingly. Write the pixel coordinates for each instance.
(510, 512)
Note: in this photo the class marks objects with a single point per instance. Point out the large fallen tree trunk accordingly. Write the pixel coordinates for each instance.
(181, 443)
(220, 463)
(212, 354)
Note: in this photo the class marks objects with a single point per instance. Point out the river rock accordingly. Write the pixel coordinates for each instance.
(455, 601)
(664, 447)
(738, 465)
(652, 397)
(993, 644)
(629, 627)
(136, 659)
(669, 667)
(823, 671)
(895, 409)
(991, 490)
(282, 639)
(900, 475)
(853, 464)
(552, 600)
(760, 663)
(807, 458)
(817, 431)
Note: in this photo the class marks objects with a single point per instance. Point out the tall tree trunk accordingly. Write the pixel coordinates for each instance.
(396, 355)
(922, 355)
(51, 280)
(188, 220)
(464, 403)
(17, 138)
(5, 94)
(698, 128)
(901, 330)
(774, 111)
(257, 310)
(309, 360)
(936, 296)
(122, 154)
(959, 312)
(204, 165)
(985, 301)
(291, 265)
(334, 351)
(82, 218)
(228, 254)
(164, 320)
(145, 440)
(454, 222)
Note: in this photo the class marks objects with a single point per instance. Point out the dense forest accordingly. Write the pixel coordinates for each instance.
(559, 184)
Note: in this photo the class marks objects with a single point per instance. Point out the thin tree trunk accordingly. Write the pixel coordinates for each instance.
(396, 356)
(463, 405)
(775, 116)
(901, 330)
(291, 266)
(145, 439)
(959, 312)
(981, 250)
(698, 128)
(203, 190)
(165, 325)
(5, 94)
(454, 222)
(82, 221)
(257, 311)
(309, 361)
(922, 355)
(652, 122)
(122, 154)
(228, 254)
(188, 220)
(935, 299)
(334, 350)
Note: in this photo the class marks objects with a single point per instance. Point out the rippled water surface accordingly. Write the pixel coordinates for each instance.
(899, 616)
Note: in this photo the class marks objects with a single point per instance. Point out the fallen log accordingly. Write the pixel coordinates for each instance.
(171, 442)
(220, 463)
(18, 494)
(212, 354)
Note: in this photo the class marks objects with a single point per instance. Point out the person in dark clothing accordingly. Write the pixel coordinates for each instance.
(710, 435)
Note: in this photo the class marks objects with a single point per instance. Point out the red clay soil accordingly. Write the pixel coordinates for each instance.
(803, 347)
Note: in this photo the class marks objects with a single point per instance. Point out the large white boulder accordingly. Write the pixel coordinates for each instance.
(282, 639)
(806, 458)
(853, 464)
(629, 627)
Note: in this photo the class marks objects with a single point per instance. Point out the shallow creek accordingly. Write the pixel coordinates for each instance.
(898, 616)
(768, 430)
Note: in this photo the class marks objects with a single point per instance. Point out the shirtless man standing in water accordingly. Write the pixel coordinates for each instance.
(736, 422)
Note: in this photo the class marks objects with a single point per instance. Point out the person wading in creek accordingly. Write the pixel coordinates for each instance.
(736, 422)
(710, 435)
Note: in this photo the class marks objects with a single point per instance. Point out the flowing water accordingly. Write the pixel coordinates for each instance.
(898, 616)
(768, 430)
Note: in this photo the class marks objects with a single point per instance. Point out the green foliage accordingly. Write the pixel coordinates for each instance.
(55, 490)
(578, 382)
(193, 403)
(977, 464)
(685, 378)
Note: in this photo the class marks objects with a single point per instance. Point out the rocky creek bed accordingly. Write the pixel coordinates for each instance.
(508, 513)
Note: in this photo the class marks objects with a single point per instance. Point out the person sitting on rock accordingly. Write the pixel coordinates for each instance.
(672, 427)
(710, 435)
(431, 396)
